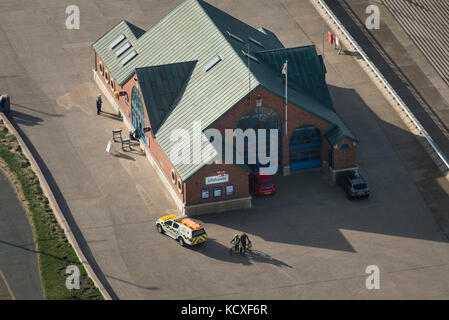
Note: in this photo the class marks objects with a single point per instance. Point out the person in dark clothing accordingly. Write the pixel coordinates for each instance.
(99, 102)
(244, 240)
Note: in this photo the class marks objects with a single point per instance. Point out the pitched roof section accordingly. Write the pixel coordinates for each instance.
(197, 31)
(110, 56)
(305, 70)
(227, 23)
(135, 29)
(267, 69)
(162, 87)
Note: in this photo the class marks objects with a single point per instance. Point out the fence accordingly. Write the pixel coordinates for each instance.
(385, 83)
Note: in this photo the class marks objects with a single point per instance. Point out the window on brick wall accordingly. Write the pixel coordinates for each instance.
(230, 190)
(205, 193)
(217, 192)
(173, 176)
(101, 69)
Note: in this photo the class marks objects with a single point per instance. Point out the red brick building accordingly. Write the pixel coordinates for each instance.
(199, 64)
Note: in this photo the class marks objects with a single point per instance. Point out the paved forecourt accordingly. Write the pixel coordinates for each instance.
(309, 241)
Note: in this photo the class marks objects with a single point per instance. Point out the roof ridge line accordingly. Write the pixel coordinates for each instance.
(175, 101)
(225, 38)
(166, 64)
(285, 49)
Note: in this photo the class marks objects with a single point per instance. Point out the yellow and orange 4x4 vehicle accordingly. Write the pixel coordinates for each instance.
(182, 228)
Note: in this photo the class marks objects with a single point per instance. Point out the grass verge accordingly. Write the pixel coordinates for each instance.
(55, 253)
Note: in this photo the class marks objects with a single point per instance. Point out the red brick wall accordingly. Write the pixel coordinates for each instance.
(344, 158)
(191, 192)
(156, 151)
(237, 176)
(296, 117)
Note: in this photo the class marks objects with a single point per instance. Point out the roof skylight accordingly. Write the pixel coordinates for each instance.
(235, 37)
(212, 63)
(122, 49)
(128, 57)
(246, 54)
(261, 29)
(255, 41)
(117, 41)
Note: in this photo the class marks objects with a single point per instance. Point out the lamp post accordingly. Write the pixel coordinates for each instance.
(259, 101)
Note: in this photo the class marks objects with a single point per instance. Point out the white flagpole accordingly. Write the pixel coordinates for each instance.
(249, 79)
(286, 105)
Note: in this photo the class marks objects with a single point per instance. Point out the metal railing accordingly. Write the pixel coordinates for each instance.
(385, 83)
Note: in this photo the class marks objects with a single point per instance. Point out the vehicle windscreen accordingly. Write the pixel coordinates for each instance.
(266, 183)
(197, 233)
(360, 186)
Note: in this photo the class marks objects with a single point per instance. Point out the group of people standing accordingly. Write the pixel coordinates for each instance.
(241, 243)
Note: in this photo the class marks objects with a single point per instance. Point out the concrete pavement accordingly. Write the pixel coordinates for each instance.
(18, 256)
(5, 291)
(309, 241)
(402, 64)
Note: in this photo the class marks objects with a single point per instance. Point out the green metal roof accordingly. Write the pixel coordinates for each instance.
(197, 31)
(162, 87)
(113, 63)
(305, 70)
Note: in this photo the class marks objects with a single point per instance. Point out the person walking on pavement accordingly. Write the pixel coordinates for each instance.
(99, 102)
(236, 242)
(244, 239)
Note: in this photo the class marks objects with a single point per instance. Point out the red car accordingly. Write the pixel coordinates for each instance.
(261, 184)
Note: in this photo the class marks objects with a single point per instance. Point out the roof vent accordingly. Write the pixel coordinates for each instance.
(255, 41)
(212, 63)
(122, 49)
(117, 41)
(129, 56)
(261, 29)
(235, 37)
(246, 54)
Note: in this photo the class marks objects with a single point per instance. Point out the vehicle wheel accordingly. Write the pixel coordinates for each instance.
(181, 241)
(159, 228)
(349, 197)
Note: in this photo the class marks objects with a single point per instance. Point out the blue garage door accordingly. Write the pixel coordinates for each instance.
(305, 148)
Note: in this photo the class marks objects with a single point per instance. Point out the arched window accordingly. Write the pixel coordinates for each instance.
(173, 176)
(262, 117)
(136, 100)
(138, 114)
(179, 186)
(344, 146)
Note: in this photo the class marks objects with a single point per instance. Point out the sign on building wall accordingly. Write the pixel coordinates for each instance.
(217, 179)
